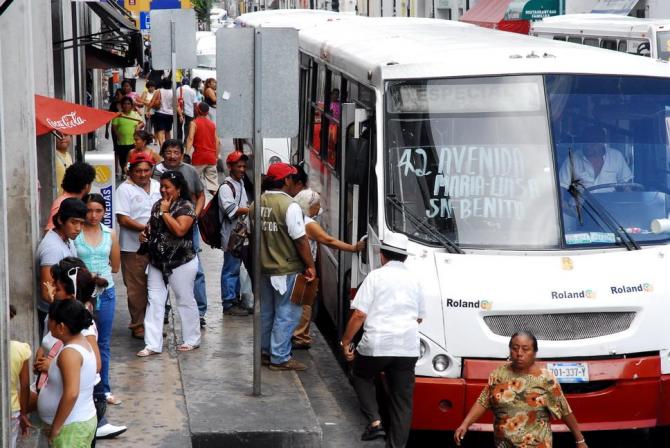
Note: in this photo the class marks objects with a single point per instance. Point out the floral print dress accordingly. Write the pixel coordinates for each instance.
(522, 405)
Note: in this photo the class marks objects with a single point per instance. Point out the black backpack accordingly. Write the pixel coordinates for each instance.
(209, 220)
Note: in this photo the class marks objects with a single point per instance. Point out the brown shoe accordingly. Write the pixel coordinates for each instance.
(291, 364)
(265, 360)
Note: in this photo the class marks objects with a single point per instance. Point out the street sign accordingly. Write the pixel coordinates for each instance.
(235, 82)
(145, 21)
(257, 96)
(185, 27)
(279, 78)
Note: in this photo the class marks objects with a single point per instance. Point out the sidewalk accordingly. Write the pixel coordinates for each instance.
(205, 395)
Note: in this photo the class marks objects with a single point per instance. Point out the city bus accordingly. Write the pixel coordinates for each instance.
(474, 144)
(643, 37)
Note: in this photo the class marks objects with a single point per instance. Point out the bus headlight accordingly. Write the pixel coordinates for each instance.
(440, 363)
(422, 349)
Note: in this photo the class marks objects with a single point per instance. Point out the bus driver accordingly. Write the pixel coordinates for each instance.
(596, 164)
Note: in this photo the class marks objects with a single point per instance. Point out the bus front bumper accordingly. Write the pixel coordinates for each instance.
(622, 394)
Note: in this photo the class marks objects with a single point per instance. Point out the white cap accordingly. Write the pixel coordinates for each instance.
(395, 242)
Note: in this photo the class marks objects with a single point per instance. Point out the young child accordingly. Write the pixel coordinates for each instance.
(19, 358)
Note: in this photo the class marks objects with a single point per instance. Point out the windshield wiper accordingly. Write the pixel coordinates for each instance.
(423, 224)
(579, 192)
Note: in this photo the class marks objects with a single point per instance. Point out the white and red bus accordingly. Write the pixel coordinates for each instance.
(472, 143)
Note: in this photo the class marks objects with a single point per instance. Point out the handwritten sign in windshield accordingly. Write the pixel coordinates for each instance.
(472, 181)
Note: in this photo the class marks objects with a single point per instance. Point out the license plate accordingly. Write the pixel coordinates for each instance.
(570, 372)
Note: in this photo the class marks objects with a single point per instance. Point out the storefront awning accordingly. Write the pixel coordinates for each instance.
(620, 7)
(118, 44)
(510, 15)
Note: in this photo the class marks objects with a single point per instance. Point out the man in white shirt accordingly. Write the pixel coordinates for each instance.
(134, 199)
(389, 306)
(596, 164)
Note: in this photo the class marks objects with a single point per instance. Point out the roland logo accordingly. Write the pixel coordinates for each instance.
(578, 294)
(481, 304)
(625, 289)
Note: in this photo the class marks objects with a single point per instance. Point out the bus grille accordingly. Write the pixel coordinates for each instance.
(561, 327)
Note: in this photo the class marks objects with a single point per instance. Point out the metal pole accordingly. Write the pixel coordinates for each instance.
(258, 166)
(173, 68)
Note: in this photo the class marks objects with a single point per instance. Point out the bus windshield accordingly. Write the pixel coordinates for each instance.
(490, 162)
(663, 42)
(472, 157)
(611, 135)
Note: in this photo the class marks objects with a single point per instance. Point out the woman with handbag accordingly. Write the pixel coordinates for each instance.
(169, 242)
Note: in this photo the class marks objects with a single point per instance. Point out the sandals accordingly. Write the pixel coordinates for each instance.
(186, 347)
(147, 352)
(111, 399)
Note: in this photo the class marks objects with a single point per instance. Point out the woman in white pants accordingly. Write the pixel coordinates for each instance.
(168, 239)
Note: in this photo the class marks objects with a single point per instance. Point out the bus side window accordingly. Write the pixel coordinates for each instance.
(333, 113)
(575, 40)
(591, 42)
(561, 38)
(316, 108)
(608, 44)
(623, 46)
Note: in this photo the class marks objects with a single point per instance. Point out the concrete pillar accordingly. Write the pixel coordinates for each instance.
(4, 284)
(43, 64)
(20, 164)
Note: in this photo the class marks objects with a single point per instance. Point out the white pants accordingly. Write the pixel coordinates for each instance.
(15, 429)
(181, 280)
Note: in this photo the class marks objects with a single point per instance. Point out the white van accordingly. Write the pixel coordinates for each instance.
(644, 37)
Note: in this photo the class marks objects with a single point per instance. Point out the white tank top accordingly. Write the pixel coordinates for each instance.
(49, 397)
(166, 102)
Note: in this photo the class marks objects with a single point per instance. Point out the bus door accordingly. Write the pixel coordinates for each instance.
(356, 156)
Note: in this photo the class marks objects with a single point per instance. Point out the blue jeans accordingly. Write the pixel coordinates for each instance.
(279, 317)
(200, 289)
(230, 280)
(104, 319)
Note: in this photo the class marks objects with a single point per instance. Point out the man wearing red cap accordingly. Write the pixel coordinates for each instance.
(134, 199)
(285, 252)
(233, 207)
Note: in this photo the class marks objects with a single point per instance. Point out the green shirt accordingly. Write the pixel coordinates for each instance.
(125, 126)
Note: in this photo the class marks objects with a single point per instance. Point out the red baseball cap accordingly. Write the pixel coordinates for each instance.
(279, 170)
(236, 156)
(140, 157)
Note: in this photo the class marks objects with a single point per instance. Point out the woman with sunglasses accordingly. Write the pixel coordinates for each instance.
(98, 246)
(73, 281)
(169, 241)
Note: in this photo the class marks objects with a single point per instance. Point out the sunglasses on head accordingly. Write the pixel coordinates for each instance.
(72, 274)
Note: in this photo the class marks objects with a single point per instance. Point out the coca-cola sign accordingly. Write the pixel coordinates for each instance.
(67, 121)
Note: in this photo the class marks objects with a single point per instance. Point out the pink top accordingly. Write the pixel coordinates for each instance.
(55, 206)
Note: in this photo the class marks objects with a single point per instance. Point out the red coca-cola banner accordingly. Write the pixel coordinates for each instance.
(52, 114)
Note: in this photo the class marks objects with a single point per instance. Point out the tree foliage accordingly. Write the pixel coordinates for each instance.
(202, 10)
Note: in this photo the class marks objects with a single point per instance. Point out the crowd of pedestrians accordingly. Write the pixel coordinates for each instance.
(159, 199)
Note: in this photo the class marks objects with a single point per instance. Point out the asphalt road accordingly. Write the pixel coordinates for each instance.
(601, 439)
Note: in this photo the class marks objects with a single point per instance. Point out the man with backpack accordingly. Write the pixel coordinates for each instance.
(233, 208)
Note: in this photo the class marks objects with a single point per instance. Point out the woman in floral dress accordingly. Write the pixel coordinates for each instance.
(523, 396)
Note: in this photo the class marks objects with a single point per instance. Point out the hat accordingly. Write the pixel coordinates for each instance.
(395, 242)
(140, 157)
(236, 156)
(279, 171)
